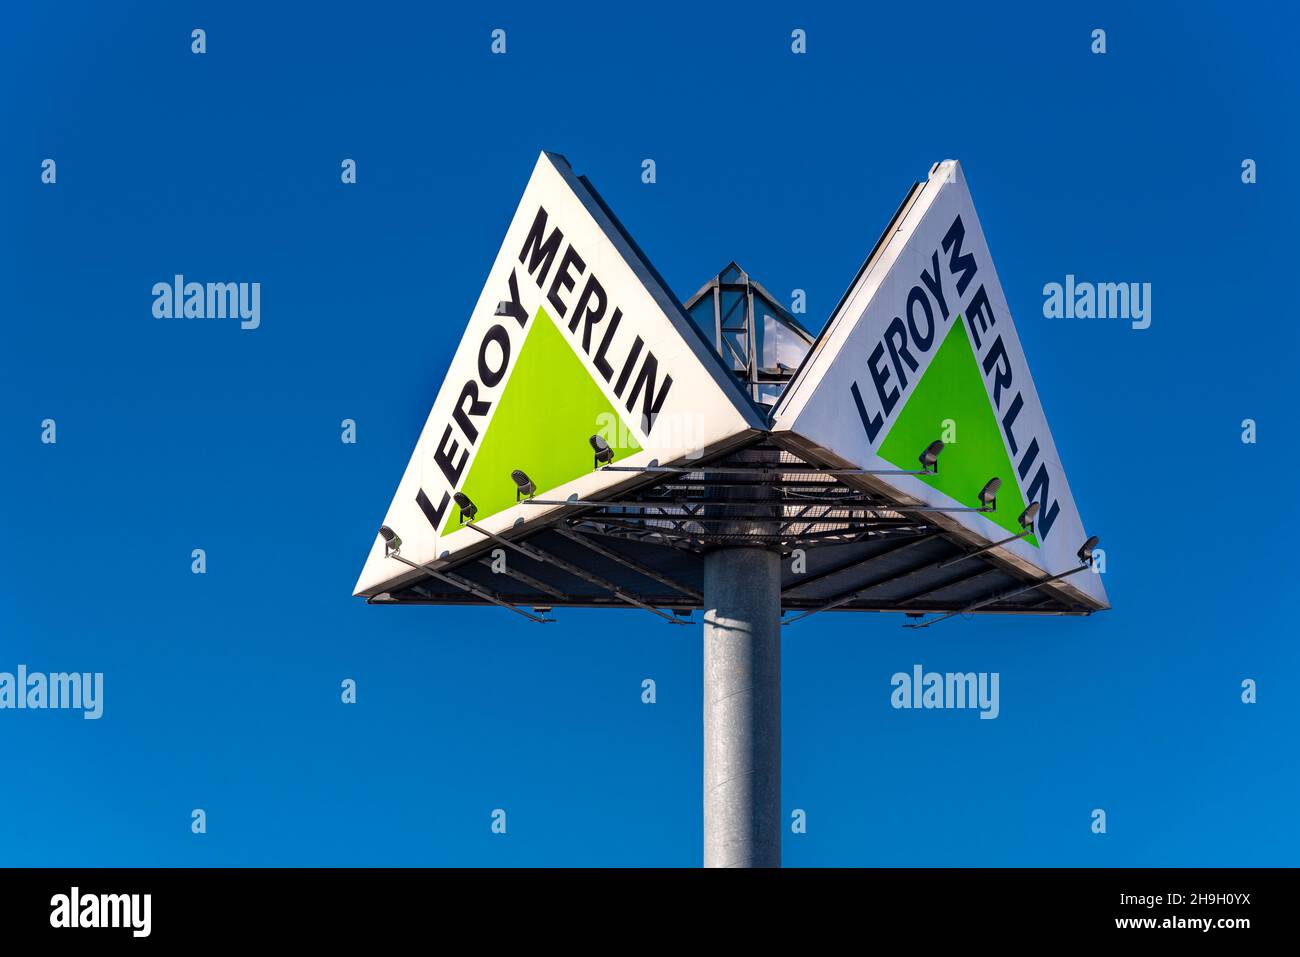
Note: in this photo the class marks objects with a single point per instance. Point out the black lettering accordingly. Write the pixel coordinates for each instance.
(565, 279)
(601, 363)
(434, 515)
(514, 307)
(1038, 490)
(966, 263)
(923, 342)
(628, 363)
(444, 455)
(998, 357)
(1009, 421)
(895, 328)
(979, 309)
(543, 253)
(1031, 456)
(652, 403)
(880, 376)
(593, 313)
(461, 414)
(935, 285)
(871, 423)
(498, 335)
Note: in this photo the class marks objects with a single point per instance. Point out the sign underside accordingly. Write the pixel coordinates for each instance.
(646, 548)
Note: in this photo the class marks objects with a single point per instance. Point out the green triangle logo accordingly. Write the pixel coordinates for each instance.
(548, 409)
(953, 388)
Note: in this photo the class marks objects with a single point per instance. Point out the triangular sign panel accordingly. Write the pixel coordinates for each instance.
(574, 335)
(923, 347)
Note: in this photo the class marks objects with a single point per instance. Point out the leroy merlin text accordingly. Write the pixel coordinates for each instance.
(621, 358)
(903, 341)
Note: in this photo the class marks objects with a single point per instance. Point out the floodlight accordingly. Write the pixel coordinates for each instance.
(929, 459)
(604, 454)
(1085, 552)
(989, 494)
(524, 486)
(467, 508)
(391, 541)
(1028, 515)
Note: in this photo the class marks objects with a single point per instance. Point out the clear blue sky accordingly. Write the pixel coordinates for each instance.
(222, 690)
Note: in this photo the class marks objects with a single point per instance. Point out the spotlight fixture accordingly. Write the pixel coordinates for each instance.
(467, 508)
(603, 453)
(524, 486)
(929, 459)
(1026, 524)
(391, 541)
(989, 494)
(1085, 562)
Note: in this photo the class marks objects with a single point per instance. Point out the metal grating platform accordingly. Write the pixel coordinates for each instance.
(643, 548)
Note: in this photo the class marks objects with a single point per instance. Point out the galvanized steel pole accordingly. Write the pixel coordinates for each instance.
(742, 708)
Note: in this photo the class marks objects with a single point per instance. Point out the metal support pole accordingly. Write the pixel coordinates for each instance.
(742, 708)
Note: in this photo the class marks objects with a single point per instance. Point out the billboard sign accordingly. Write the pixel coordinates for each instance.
(923, 347)
(573, 335)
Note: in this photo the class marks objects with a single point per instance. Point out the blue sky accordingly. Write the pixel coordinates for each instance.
(222, 690)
